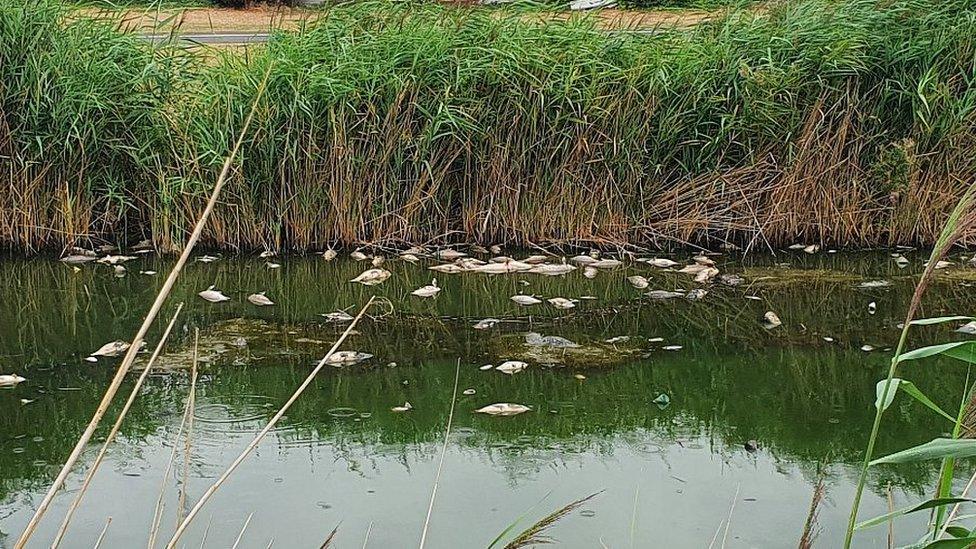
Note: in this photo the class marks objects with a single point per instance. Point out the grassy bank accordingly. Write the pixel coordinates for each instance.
(842, 122)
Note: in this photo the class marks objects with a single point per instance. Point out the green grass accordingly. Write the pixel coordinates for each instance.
(847, 122)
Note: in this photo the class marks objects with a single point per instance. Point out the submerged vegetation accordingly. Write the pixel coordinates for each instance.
(849, 122)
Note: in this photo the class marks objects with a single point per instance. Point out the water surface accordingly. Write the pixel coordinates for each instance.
(668, 475)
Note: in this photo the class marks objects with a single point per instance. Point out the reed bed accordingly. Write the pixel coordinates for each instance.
(847, 122)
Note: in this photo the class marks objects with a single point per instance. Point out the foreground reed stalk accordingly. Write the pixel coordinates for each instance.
(115, 430)
(440, 464)
(267, 428)
(136, 343)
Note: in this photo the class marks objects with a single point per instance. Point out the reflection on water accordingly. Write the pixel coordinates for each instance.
(341, 455)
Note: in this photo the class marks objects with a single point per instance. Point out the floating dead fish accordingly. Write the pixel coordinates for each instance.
(501, 259)
(347, 358)
(450, 255)
(580, 377)
(696, 294)
(606, 264)
(535, 259)
(213, 296)
(867, 348)
(693, 269)
(357, 255)
(812, 249)
(703, 260)
(260, 300)
(143, 244)
(874, 284)
(872, 308)
(753, 297)
(429, 290)
(940, 264)
(272, 265)
(771, 320)
(469, 263)
(10, 380)
(409, 258)
(26, 401)
(119, 270)
(90, 359)
(525, 300)
(415, 250)
(338, 316)
(147, 273)
(967, 328)
(495, 249)
(116, 259)
(329, 255)
(706, 274)
(902, 262)
(662, 401)
(267, 253)
(590, 272)
(661, 263)
(583, 260)
(617, 339)
(478, 249)
(449, 268)
(486, 323)
(672, 348)
(503, 409)
(536, 339)
(207, 259)
(663, 294)
(731, 279)
(378, 260)
(828, 339)
(550, 269)
(512, 367)
(114, 348)
(77, 259)
(372, 277)
(486, 367)
(797, 246)
(562, 302)
(638, 282)
(468, 392)
(655, 340)
(405, 408)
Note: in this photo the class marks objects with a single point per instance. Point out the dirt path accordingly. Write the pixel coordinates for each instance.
(263, 19)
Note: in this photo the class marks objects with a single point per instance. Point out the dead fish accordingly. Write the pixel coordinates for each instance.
(147, 273)
(347, 358)
(11, 380)
(272, 265)
(672, 348)
(77, 259)
(655, 340)
(116, 259)
(661, 263)
(378, 260)
(469, 263)
(617, 339)
(874, 284)
(941, 264)
(405, 408)
(872, 308)
(580, 377)
(606, 264)
(503, 409)
(693, 269)
(429, 290)
(213, 296)
(583, 260)
(731, 279)
(409, 258)
(357, 255)
(590, 272)
(703, 260)
(562, 302)
(536, 339)
(638, 282)
(812, 249)
(486, 323)
(486, 367)
(119, 271)
(771, 320)
(468, 392)
(449, 268)
(828, 339)
(967, 328)
(506, 267)
(207, 259)
(662, 294)
(535, 259)
(26, 401)
(525, 300)
(267, 253)
(90, 359)
(753, 297)
(696, 294)
(501, 259)
(338, 316)
(797, 246)
(449, 254)
(415, 250)
(512, 367)
(705, 275)
(867, 348)
(550, 269)
(260, 300)
(372, 277)
(329, 255)
(114, 348)
(495, 249)
(902, 261)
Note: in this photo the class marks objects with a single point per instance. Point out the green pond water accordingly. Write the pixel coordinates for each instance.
(669, 476)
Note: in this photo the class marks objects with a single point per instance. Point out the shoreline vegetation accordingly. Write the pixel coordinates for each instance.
(846, 123)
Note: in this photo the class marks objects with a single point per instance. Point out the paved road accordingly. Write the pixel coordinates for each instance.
(213, 38)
